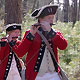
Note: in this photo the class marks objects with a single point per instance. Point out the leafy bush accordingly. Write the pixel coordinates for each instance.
(70, 57)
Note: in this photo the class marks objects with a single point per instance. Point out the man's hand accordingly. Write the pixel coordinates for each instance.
(34, 28)
(45, 26)
(9, 37)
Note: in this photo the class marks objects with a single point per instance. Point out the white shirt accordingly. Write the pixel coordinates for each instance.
(13, 72)
(47, 69)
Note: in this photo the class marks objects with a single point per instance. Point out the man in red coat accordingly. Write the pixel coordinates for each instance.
(40, 64)
(10, 67)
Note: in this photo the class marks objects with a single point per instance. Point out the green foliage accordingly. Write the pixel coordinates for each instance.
(2, 10)
(70, 57)
(28, 21)
(2, 31)
(2, 34)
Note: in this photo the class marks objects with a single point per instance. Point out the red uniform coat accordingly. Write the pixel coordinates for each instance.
(4, 55)
(33, 47)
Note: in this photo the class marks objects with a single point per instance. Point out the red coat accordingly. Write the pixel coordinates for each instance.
(4, 54)
(33, 47)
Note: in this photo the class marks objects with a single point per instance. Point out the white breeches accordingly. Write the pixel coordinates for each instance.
(48, 76)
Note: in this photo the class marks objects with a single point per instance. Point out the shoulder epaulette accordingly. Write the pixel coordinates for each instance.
(2, 43)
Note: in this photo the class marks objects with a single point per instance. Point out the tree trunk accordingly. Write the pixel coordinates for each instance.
(13, 11)
(70, 14)
(45, 2)
(24, 11)
(74, 14)
(57, 12)
(79, 11)
(65, 9)
(34, 6)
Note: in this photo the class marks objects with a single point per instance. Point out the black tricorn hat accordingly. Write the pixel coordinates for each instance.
(13, 26)
(45, 10)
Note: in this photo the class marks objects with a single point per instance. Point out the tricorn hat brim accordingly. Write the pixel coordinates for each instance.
(45, 10)
(13, 26)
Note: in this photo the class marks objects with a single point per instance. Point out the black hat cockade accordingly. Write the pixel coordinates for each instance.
(45, 10)
(13, 26)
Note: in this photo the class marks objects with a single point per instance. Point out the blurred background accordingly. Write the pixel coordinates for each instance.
(67, 20)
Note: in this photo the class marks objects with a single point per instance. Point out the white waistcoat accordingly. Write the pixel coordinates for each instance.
(47, 69)
(13, 72)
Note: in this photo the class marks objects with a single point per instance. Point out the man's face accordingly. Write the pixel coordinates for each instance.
(48, 18)
(14, 34)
